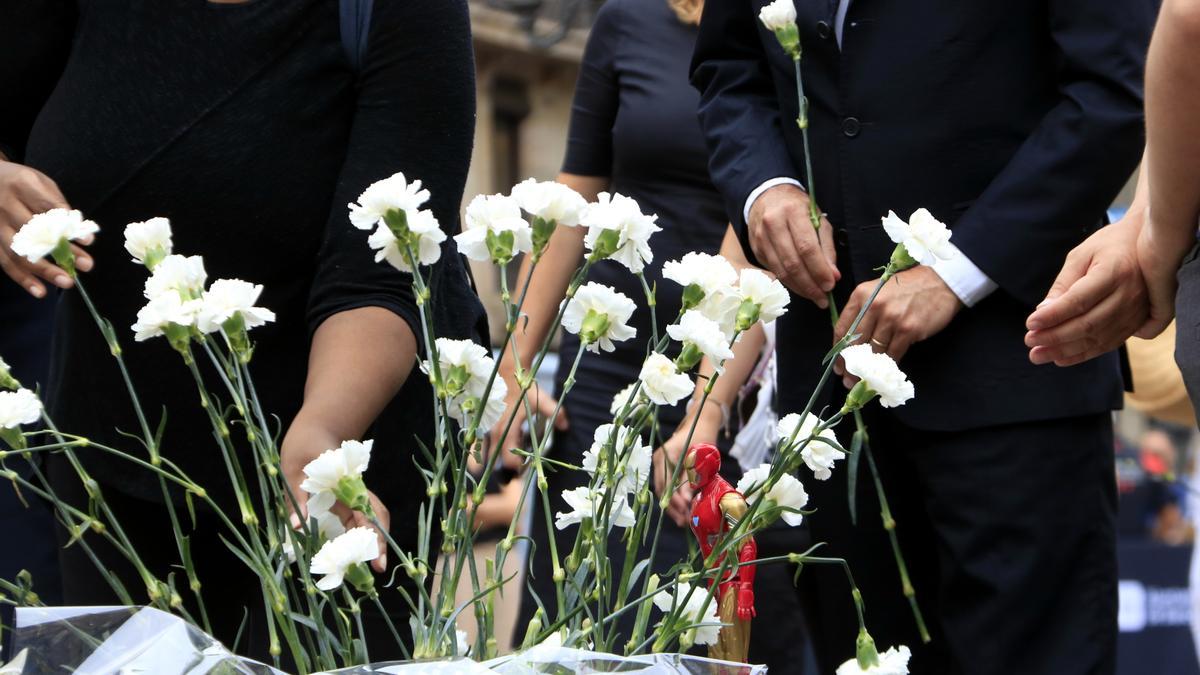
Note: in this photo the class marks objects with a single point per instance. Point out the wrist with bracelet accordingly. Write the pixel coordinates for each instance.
(721, 407)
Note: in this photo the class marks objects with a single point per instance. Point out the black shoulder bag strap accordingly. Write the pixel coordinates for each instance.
(354, 17)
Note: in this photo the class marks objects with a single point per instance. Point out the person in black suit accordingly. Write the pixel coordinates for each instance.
(1015, 123)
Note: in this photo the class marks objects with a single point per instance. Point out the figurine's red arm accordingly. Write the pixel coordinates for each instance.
(735, 508)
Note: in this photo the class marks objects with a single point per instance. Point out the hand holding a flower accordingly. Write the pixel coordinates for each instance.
(914, 306)
(25, 192)
(785, 242)
(351, 378)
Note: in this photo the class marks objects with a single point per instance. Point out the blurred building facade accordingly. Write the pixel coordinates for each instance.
(527, 55)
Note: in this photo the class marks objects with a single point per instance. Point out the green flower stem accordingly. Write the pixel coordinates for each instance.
(151, 443)
(66, 512)
(889, 525)
(511, 313)
(391, 626)
(257, 554)
(652, 303)
(814, 210)
(356, 611)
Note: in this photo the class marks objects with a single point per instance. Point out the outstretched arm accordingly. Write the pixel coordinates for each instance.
(358, 361)
(1173, 127)
(364, 314)
(545, 293)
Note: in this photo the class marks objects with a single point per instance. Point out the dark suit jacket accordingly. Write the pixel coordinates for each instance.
(1016, 123)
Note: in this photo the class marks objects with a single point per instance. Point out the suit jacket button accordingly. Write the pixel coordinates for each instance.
(851, 126)
(823, 30)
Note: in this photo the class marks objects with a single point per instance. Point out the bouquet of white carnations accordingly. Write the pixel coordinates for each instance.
(314, 574)
(315, 605)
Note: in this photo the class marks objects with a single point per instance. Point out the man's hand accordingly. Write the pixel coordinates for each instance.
(671, 454)
(1098, 300)
(783, 238)
(302, 444)
(914, 306)
(543, 404)
(1160, 251)
(25, 192)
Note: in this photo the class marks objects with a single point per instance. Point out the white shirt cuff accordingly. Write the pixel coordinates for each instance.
(767, 185)
(967, 281)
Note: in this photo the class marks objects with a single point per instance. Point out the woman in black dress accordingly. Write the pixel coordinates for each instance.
(246, 124)
(633, 131)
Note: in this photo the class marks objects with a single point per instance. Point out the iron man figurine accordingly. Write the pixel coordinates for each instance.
(716, 508)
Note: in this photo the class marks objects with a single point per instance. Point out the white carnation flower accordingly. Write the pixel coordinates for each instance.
(617, 227)
(692, 599)
(632, 459)
(332, 470)
(767, 294)
(778, 15)
(818, 455)
(19, 407)
(382, 196)
(550, 201)
(427, 237)
(149, 241)
(924, 237)
(598, 315)
(499, 217)
(163, 311)
(787, 493)
(722, 306)
(7, 381)
(709, 273)
(662, 383)
(705, 334)
(622, 397)
(177, 275)
(46, 231)
(587, 504)
(462, 644)
(879, 373)
(328, 526)
(474, 365)
(227, 298)
(892, 662)
(356, 546)
(495, 406)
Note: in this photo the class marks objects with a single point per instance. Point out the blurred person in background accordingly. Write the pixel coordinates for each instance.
(1165, 518)
(633, 131)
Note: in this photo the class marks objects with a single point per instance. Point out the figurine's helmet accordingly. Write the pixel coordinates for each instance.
(705, 461)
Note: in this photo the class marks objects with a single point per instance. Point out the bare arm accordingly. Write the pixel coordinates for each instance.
(358, 361)
(547, 287)
(1121, 280)
(1173, 133)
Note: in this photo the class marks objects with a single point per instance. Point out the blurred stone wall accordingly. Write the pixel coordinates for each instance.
(524, 104)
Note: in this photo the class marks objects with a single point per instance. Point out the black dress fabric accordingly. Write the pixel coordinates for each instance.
(633, 120)
(245, 125)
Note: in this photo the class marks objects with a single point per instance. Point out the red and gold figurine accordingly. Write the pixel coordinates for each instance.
(717, 507)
